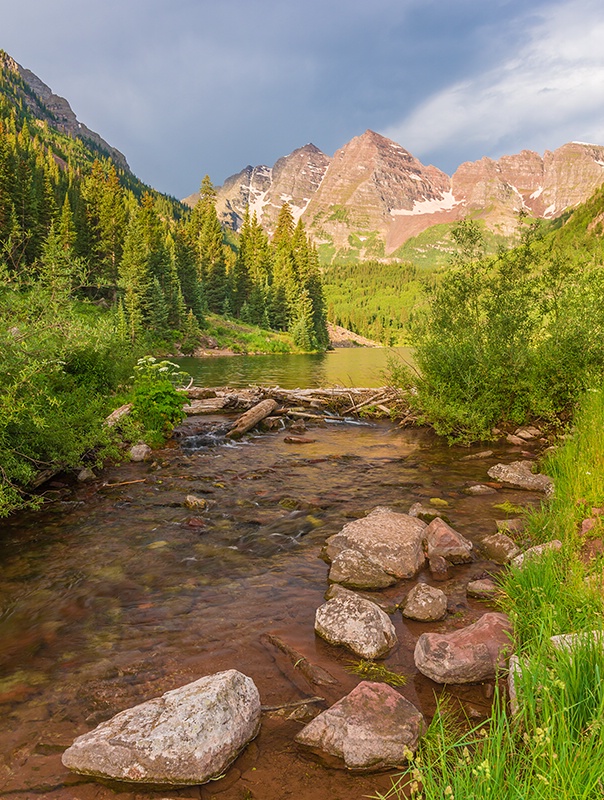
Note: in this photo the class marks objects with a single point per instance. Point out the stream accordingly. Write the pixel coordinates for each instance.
(115, 592)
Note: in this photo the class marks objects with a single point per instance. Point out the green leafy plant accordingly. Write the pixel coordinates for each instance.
(156, 402)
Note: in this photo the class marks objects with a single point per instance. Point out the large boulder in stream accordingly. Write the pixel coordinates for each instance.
(373, 727)
(351, 568)
(392, 541)
(356, 623)
(183, 738)
(471, 654)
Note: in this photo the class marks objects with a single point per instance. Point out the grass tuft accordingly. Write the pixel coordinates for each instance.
(372, 671)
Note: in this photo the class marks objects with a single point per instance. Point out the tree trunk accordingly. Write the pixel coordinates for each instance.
(251, 418)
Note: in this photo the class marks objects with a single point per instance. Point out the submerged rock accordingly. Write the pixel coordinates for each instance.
(516, 525)
(183, 738)
(393, 541)
(499, 548)
(423, 513)
(471, 654)
(442, 540)
(439, 568)
(519, 474)
(425, 603)
(373, 727)
(192, 501)
(357, 624)
(482, 589)
(479, 490)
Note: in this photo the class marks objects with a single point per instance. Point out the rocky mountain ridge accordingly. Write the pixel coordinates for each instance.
(56, 111)
(374, 195)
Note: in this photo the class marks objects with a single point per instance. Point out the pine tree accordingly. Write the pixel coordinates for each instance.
(302, 328)
(135, 277)
(205, 230)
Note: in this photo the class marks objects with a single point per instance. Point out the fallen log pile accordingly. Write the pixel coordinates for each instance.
(305, 404)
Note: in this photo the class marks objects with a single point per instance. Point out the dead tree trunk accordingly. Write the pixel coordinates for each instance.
(251, 418)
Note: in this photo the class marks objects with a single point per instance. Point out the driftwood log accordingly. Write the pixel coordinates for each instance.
(251, 418)
(311, 404)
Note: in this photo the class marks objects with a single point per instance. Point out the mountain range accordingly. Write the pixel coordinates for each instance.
(372, 199)
(373, 196)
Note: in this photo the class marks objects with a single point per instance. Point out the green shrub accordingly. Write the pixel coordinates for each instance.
(156, 403)
(508, 338)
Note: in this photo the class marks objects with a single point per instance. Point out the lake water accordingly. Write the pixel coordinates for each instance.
(349, 366)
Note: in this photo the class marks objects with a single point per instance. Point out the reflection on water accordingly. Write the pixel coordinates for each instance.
(347, 366)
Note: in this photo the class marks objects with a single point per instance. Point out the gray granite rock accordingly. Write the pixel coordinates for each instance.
(357, 624)
(356, 570)
(140, 452)
(536, 552)
(393, 541)
(183, 738)
(519, 474)
(425, 603)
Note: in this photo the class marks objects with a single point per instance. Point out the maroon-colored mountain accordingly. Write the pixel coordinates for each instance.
(374, 195)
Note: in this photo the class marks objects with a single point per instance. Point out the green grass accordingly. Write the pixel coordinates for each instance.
(553, 748)
(242, 338)
(372, 671)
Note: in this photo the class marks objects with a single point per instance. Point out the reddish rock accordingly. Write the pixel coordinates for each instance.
(587, 525)
(373, 727)
(442, 540)
(470, 654)
(439, 568)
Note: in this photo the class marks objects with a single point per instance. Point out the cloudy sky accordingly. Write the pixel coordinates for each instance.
(188, 87)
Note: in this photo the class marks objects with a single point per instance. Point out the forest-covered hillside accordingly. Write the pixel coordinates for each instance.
(96, 269)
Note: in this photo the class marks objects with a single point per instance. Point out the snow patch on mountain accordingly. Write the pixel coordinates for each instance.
(446, 202)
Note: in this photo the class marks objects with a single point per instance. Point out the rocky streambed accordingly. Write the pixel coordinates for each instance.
(125, 588)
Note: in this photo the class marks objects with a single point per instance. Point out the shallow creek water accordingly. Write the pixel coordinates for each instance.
(112, 595)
